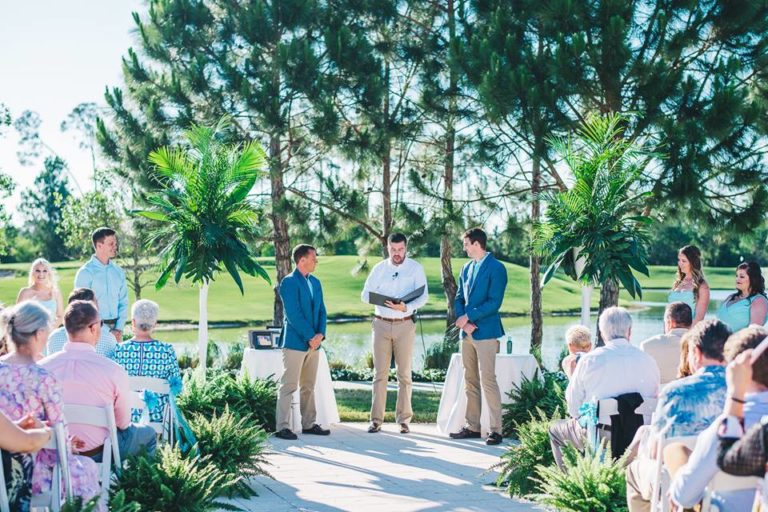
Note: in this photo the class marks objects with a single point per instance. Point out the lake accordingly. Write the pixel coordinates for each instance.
(351, 342)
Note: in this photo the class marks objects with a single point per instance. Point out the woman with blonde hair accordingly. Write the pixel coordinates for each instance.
(690, 286)
(44, 288)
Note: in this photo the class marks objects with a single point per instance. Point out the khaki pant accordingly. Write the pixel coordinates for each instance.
(479, 359)
(641, 471)
(563, 432)
(300, 372)
(389, 338)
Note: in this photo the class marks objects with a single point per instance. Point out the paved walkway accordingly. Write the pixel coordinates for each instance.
(351, 470)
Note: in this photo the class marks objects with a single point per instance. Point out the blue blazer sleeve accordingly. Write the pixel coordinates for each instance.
(289, 293)
(323, 315)
(498, 283)
(458, 302)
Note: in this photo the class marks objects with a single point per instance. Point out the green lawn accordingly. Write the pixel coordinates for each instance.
(355, 405)
(342, 291)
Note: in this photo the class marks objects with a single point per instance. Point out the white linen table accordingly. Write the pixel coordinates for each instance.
(510, 370)
(264, 363)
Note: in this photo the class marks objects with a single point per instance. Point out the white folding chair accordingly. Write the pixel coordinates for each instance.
(103, 417)
(660, 482)
(60, 472)
(723, 482)
(608, 407)
(160, 387)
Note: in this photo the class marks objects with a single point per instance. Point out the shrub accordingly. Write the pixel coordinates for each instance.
(116, 504)
(520, 461)
(234, 359)
(591, 482)
(547, 394)
(235, 446)
(169, 481)
(439, 355)
(246, 398)
(190, 359)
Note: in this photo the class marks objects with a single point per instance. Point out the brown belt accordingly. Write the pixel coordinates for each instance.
(92, 451)
(394, 320)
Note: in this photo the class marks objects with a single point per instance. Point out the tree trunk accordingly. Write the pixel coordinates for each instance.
(202, 328)
(279, 226)
(609, 297)
(386, 173)
(446, 270)
(537, 322)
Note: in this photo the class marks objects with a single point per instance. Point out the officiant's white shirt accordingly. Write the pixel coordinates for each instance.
(393, 280)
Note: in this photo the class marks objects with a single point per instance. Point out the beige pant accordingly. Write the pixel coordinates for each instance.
(300, 372)
(479, 358)
(389, 338)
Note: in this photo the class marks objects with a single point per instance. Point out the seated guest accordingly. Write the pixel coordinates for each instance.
(700, 466)
(107, 342)
(579, 342)
(17, 441)
(686, 406)
(665, 348)
(144, 356)
(91, 379)
(26, 389)
(614, 369)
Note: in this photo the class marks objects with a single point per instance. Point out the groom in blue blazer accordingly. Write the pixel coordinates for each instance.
(482, 283)
(303, 331)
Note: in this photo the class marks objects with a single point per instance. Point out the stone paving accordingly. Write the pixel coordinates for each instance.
(351, 470)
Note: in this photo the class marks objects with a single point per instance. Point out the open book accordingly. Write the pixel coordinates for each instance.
(379, 299)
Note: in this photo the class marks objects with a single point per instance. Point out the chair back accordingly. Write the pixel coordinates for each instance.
(151, 383)
(660, 482)
(159, 386)
(97, 416)
(608, 407)
(51, 499)
(723, 482)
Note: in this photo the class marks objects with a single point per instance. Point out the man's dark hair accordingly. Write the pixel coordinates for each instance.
(81, 294)
(79, 315)
(680, 313)
(709, 336)
(476, 235)
(747, 338)
(397, 238)
(300, 251)
(100, 234)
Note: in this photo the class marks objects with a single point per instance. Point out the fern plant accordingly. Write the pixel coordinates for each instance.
(546, 393)
(234, 445)
(118, 503)
(592, 482)
(169, 481)
(520, 461)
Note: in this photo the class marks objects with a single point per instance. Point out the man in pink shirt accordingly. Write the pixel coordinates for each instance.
(88, 378)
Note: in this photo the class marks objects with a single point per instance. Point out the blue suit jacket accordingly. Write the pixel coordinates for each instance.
(485, 298)
(304, 316)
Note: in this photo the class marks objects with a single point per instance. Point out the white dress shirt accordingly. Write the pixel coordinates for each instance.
(610, 371)
(393, 280)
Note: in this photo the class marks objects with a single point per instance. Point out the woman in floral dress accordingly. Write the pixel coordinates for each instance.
(28, 389)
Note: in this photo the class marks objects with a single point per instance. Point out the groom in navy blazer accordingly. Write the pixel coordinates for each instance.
(303, 331)
(482, 283)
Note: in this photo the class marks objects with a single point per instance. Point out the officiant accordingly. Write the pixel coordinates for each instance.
(397, 287)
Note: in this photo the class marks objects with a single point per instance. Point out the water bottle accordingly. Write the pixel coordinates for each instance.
(509, 344)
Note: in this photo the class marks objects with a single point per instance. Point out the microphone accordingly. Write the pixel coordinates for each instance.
(394, 276)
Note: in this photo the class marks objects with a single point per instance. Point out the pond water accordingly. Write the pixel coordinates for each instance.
(351, 342)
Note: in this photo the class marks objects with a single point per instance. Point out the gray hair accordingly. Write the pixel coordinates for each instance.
(145, 312)
(615, 323)
(21, 322)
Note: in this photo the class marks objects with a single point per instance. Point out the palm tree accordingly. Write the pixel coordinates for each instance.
(203, 212)
(593, 231)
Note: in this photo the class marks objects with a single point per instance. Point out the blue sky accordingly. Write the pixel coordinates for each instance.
(53, 56)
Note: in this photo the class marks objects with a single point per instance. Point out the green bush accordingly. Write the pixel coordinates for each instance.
(234, 359)
(547, 394)
(520, 461)
(246, 398)
(234, 445)
(438, 356)
(344, 373)
(168, 481)
(190, 359)
(592, 482)
(116, 504)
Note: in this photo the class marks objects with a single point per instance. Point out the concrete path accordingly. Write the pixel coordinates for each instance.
(351, 470)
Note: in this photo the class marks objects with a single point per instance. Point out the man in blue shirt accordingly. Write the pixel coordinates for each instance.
(303, 331)
(107, 281)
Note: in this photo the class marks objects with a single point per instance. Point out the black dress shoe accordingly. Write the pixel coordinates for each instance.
(374, 427)
(465, 433)
(316, 429)
(493, 438)
(286, 434)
